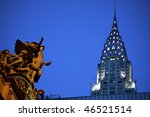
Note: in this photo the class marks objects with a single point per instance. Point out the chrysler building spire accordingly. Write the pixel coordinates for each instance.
(114, 72)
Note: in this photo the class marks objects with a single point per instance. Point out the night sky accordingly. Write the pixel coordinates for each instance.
(74, 34)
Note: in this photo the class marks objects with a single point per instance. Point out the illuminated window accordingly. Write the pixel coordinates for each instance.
(113, 37)
(113, 42)
(118, 47)
(114, 28)
(108, 49)
(114, 33)
(112, 59)
(113, 47)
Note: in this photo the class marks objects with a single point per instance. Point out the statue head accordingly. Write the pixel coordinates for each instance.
(42, 48)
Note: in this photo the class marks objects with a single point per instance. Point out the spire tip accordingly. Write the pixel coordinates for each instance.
(114, 8)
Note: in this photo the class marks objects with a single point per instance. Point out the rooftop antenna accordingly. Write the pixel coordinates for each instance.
(115, 8)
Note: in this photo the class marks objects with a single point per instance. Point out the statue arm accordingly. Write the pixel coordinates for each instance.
(4, 63)
(46, 63)
(23, 69)
(16, 62)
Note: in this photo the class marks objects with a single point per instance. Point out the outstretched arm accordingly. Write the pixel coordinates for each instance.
(47, 63)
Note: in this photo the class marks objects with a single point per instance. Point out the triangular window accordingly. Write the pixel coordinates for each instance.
(108, 49)
(119, 53)
(113, 47)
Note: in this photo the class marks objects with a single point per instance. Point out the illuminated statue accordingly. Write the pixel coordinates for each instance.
(25, 66)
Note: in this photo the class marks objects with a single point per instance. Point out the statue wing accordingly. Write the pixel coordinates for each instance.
(19, 46)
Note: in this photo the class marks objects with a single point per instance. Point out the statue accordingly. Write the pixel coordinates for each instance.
(25, 66)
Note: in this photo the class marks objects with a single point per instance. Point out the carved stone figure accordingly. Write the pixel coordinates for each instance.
(25, 65)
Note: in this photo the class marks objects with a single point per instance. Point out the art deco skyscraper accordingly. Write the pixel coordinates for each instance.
(114, 72)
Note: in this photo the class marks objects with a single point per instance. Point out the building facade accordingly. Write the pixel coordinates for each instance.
(123, 96)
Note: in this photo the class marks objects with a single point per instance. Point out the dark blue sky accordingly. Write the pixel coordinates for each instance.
(75, 32)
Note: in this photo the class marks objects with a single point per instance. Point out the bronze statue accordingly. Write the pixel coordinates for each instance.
(25, 65)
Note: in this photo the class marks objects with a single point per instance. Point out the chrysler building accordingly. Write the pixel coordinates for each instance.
(114, 72)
